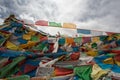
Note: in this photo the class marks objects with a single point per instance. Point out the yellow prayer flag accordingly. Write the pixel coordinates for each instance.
(22, 46)
(32, 32)
(97, 72)
(117, 62)
(31, 43)
(92, 53)
(118, 37)
(28, 45)
(27, 36)
(11, 46)
(69, 25)
(108, 61)
(109, 38)
(95, 39)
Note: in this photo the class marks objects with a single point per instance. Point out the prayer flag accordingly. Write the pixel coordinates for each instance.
(11, 46)
(96, 33)
(95, 39)
(86, 39)
(83, 31)
(78, 39)
(26, 36)
(69, 40)
(54, 24)
(69, 25)
(41, 23)
(83, 72)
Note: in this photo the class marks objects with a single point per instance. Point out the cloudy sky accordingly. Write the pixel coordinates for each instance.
(86, 14)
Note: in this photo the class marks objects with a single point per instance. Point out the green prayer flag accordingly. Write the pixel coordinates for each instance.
(110, 55)
(2, 41)
(117, 48)
(78, 39)
(39, 46)
(5, 70)
(13, 71)
(35, 38)
(54, 24)
(102, 38)
(22, 77)
(94, 45)
(83, 72)
(118, 42)
(69, 66)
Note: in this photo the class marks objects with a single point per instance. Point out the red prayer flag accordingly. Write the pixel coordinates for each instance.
(62, 71)
(86, 39)
(41, 23)
(29, 68)
(110, 33)
(43, 38)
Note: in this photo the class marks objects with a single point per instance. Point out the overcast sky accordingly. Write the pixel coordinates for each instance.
(87, 14)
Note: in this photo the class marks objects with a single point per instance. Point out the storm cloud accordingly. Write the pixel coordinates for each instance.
(86, 14)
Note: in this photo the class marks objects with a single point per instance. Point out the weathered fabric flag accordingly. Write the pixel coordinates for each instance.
(22, 77)
(95, 39)
(110, 33)
(11, 46)
(83, 72)
(86, 39)
(83, 31)
(69, 25)
(97, 72)
(78, 39)
(61, 41)
(8, 68)
(96, 33)
(35, 38)
(69, 40)
(54, 24)
(62, 71)
(41, 23)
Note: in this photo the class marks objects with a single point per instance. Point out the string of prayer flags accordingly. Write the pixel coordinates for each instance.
(26, 54)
